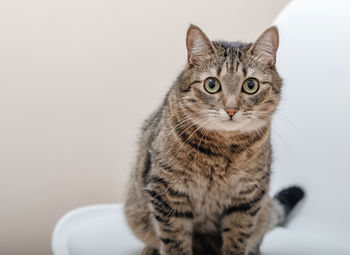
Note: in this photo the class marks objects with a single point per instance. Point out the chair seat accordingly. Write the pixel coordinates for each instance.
(102, 230)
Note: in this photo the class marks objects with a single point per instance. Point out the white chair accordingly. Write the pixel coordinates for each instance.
(94, 230)
(311, 138)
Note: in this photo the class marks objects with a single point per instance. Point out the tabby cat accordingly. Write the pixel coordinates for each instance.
(201, 180)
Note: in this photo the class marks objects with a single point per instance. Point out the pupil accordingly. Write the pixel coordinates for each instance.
(211, 84)
(250, 84)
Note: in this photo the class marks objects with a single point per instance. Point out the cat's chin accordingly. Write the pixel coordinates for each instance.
(241, 126)
(228, 125)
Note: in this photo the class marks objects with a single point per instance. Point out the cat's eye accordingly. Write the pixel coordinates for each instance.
(212, 85)
(250, 86)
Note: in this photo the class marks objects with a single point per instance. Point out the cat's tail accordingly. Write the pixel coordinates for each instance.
(283, 203)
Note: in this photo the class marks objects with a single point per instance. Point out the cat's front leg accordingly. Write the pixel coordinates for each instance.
(172, 216)
(238, 223)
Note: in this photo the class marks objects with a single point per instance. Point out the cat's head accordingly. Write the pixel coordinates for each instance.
(230, 86)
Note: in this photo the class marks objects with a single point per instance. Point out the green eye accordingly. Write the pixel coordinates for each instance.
(250, 86)
(212, 85)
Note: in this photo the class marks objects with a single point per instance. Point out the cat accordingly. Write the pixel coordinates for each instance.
(200, 184)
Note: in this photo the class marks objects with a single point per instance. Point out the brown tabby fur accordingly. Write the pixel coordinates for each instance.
(199, 186)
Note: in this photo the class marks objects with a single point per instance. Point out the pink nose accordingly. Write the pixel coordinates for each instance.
(231, 111)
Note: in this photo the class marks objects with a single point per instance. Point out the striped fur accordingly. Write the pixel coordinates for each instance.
(200, 184)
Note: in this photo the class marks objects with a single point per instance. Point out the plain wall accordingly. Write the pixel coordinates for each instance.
(77, 79)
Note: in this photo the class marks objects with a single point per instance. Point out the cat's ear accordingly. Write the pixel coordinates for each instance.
(198, 45)
(265, 47)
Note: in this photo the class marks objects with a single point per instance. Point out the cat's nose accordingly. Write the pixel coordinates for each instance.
(230, 111)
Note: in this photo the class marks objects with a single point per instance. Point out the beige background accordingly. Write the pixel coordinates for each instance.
(77, 78)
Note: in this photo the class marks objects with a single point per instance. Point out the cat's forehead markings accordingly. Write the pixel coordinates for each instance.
(231, 69)
(224, 67)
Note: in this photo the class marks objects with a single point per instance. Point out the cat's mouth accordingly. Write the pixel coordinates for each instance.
(229, 121)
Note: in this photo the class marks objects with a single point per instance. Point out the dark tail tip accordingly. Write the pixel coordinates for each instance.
(289, 197)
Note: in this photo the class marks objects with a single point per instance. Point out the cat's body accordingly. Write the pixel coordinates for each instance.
(201, 180)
